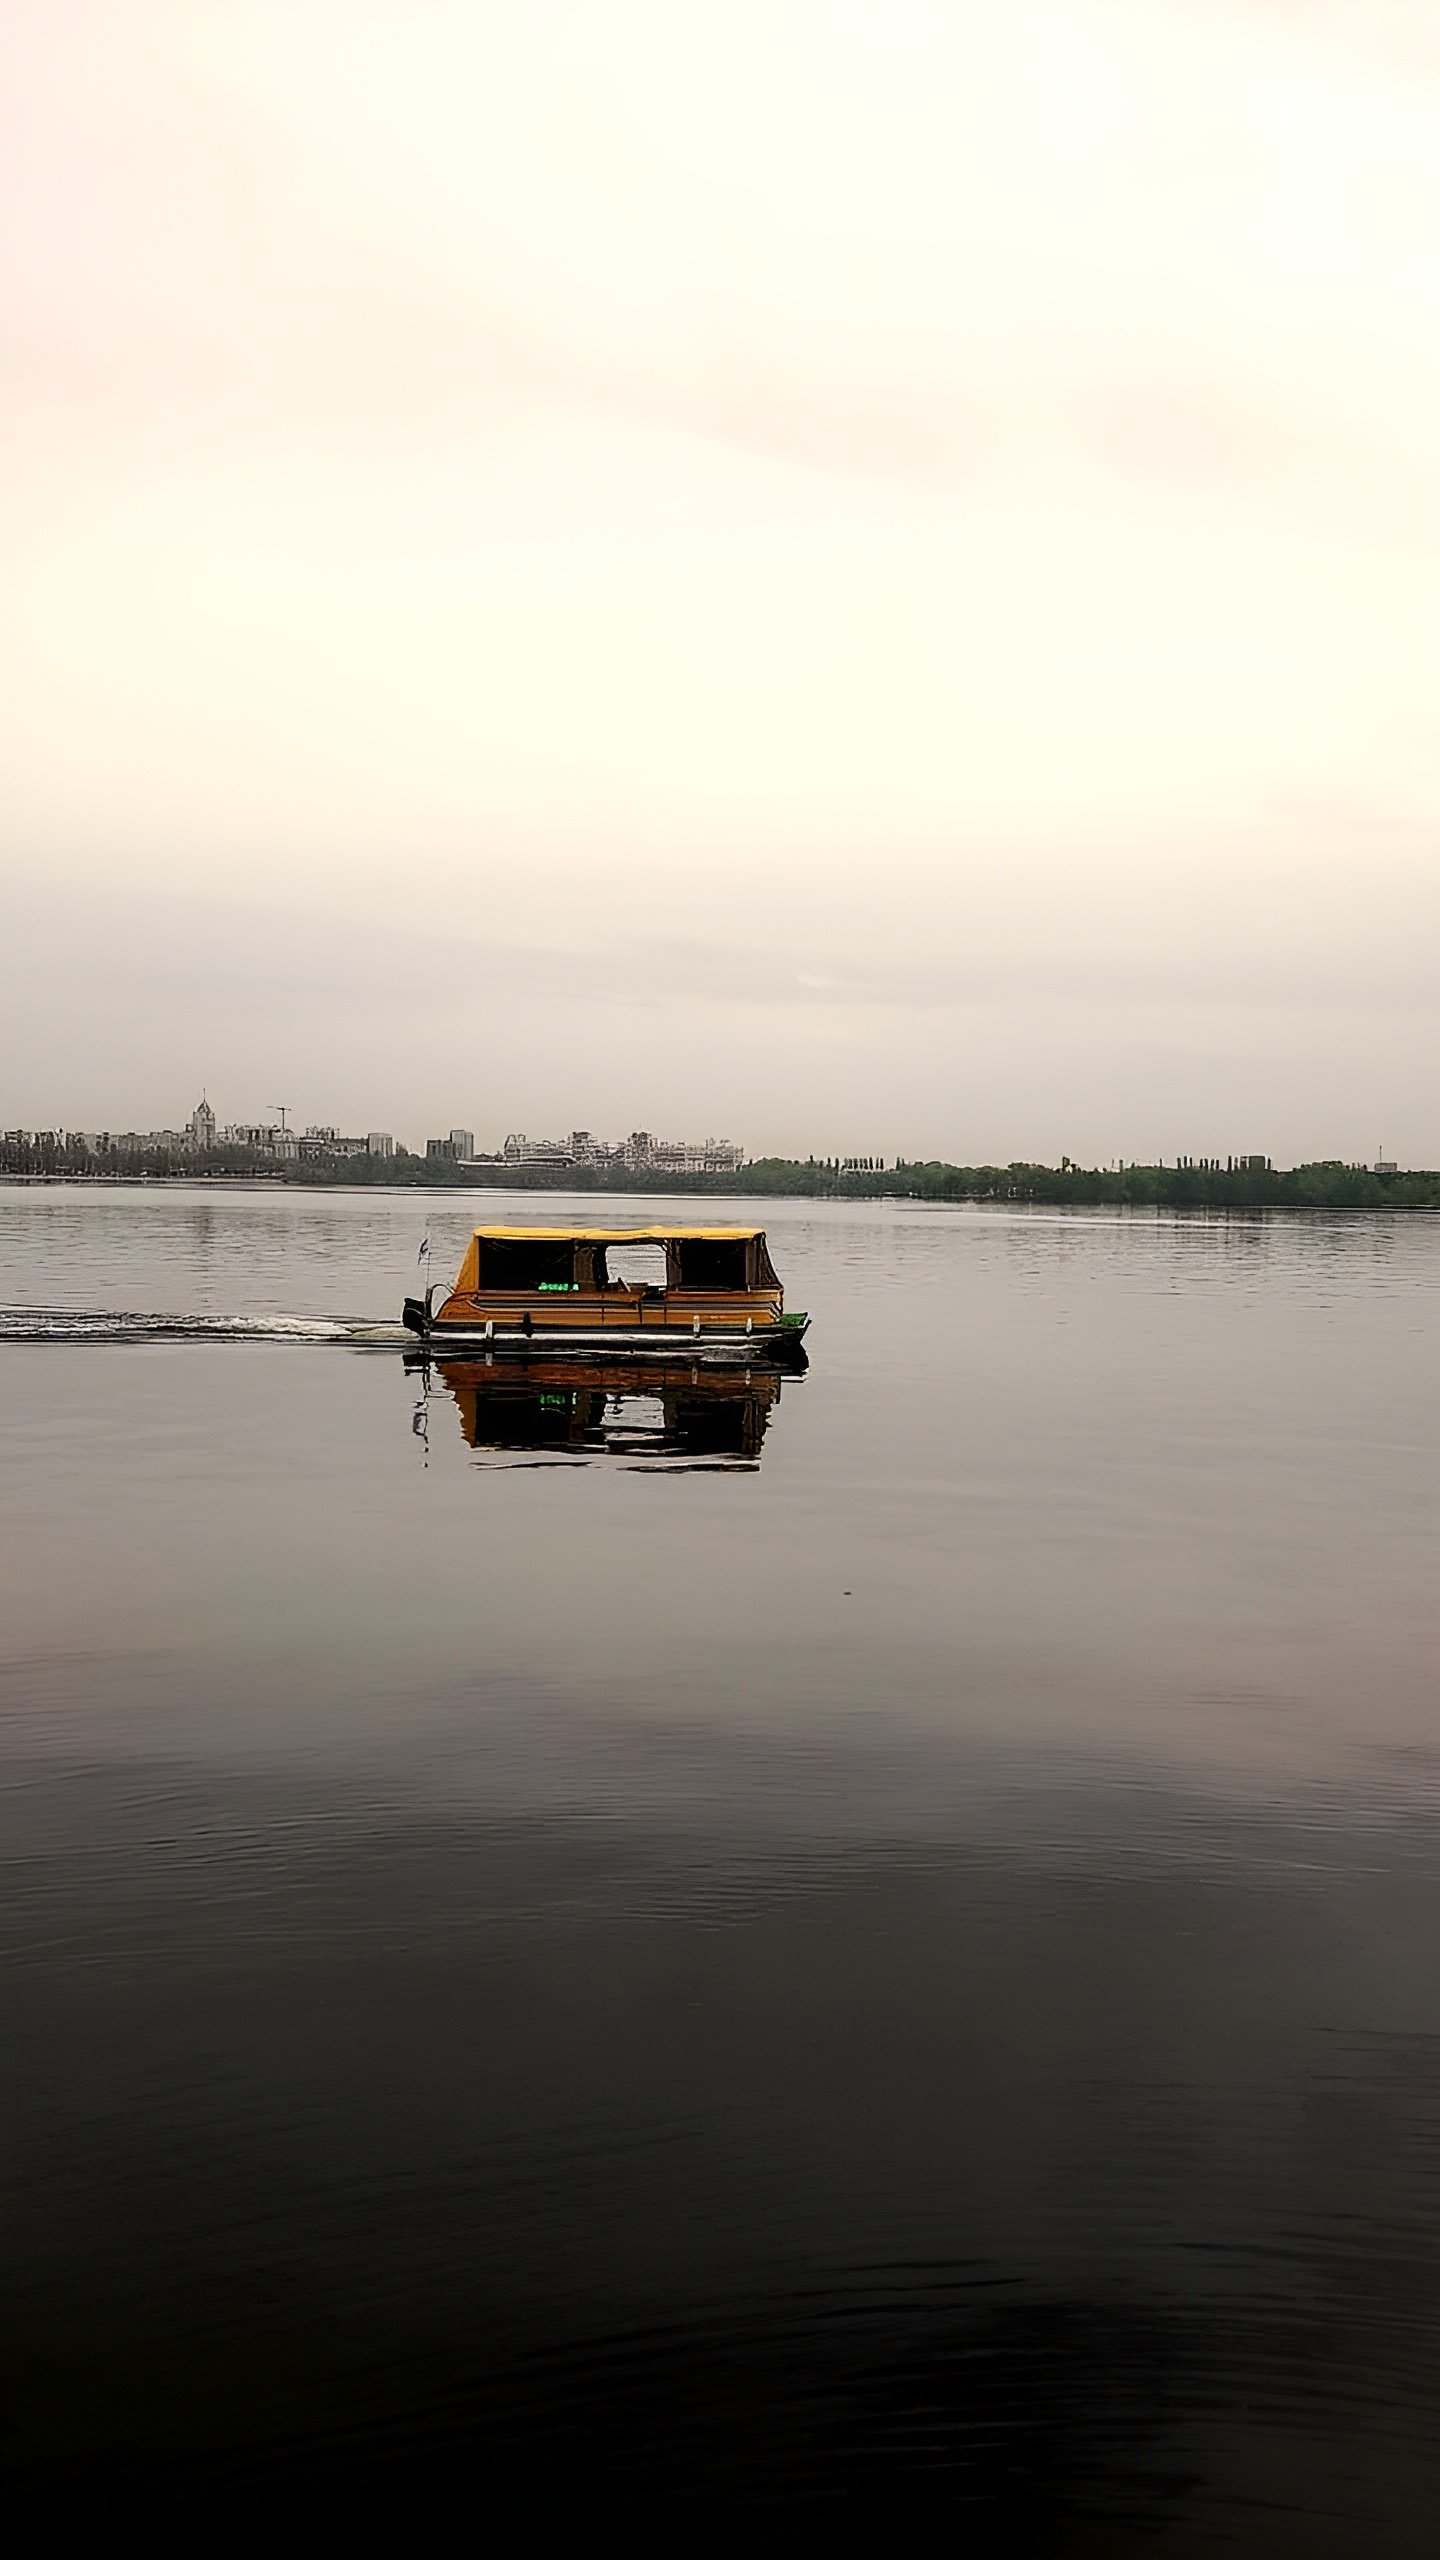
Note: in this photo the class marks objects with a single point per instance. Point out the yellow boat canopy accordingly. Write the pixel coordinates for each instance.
(617, 1235)
(732, 1260)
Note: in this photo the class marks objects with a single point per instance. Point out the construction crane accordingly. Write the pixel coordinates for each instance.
(282, 1108)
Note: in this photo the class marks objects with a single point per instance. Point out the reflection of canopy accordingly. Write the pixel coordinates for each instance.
(609, 1408)
(529, 1258)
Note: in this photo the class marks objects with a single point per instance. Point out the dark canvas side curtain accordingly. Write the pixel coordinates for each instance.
(519, 1263)
(708, 1262)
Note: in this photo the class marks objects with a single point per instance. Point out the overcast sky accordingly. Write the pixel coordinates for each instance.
(855, 577)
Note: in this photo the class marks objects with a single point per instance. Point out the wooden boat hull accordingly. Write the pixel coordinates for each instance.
(704, 1339)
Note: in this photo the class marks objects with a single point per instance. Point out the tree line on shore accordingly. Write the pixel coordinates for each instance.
(1325, 1185)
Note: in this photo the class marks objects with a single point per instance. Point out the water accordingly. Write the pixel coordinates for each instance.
(871, 1962)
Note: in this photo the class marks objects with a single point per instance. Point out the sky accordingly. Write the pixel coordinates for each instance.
(858, 578)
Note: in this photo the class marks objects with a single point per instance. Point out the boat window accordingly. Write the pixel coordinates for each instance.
(709, 1262)
(519, 1262)
(636, 1265)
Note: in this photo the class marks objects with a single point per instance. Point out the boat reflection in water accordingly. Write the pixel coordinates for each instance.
(572, 1410)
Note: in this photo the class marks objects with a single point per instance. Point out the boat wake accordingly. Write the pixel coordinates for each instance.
(73, 1324)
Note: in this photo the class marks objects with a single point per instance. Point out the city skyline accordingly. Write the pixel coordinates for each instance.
(644, 1148)
(641, 1152)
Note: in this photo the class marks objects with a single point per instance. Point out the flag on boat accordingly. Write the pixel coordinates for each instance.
(424, 1253)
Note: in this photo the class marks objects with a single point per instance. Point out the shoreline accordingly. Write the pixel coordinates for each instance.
(1171, 1196)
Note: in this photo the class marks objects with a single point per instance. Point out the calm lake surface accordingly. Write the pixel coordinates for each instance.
(879, 1966)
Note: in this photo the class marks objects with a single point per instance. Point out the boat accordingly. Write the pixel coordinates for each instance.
(543, 1292)
(638, 1412)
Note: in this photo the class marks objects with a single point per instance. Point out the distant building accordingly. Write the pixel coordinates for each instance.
(643, 1153)
(200, 1128)
(263, 1138)
(319, 1142)
(379, 1143)
(639, 1153)
(1385, 1164)
(520, 1150)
